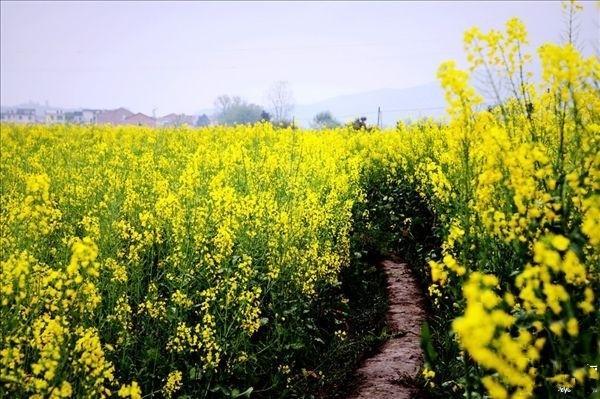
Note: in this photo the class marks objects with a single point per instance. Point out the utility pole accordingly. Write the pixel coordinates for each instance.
(379, 117)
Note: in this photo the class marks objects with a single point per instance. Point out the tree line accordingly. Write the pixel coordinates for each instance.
(234, 110)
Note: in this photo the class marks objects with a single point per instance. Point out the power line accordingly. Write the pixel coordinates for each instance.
(380, 112)
(383, 110)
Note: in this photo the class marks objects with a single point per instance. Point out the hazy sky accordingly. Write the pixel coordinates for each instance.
(178, 56)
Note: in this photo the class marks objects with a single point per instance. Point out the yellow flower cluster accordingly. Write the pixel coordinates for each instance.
(132, 391)
(483, 331)
(173, 383)
(519, 207)
(123, 243)
(91, 362)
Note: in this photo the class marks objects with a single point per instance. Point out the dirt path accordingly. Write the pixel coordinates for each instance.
(389, 373)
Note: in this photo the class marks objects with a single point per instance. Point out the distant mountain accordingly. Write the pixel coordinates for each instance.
(396, 104)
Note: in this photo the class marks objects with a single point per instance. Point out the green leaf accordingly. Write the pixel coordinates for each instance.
(427, 345)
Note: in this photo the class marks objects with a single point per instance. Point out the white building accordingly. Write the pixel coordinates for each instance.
(19, 115)
(90, 115)
(55, 116)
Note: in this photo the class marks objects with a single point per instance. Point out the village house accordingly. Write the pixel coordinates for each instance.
(87, 116)
(74, 117)
(90, 115)
(140, 119)
(20, 115)
(113, 116)
(176, 120)
(119, 116)
(56, 116)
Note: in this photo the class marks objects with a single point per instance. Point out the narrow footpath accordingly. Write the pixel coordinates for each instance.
(390, 373)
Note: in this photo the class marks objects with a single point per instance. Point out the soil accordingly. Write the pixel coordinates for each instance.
(391, 372)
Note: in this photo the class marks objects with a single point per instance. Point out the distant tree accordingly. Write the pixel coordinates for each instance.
(265, 116)
(235, 111)
(202, 120)
(359, 123)
(324, 120)
(224, 102)
(281, 102)
(285, 124)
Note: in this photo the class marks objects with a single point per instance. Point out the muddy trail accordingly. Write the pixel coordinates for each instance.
(390, 373)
